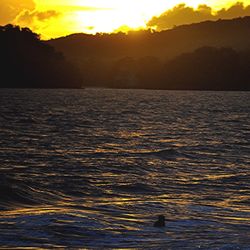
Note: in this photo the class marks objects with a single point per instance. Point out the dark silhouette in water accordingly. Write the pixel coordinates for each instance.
(160, 222)
(27, 62)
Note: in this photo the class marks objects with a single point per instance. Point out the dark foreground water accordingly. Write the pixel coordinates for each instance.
(94, 168)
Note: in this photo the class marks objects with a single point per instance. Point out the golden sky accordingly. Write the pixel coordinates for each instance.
(54, 18)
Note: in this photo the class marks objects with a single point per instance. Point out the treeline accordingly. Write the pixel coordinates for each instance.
(211, 55)
(27, 62)
(166, 44)
(206, 68)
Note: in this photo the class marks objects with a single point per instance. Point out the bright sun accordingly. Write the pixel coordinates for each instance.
(115, 14)
(92, 16)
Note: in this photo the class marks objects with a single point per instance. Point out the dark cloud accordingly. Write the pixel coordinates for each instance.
(29, 17)
(183, 14)
(9, 9)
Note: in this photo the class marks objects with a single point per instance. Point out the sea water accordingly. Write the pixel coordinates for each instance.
(93, 168)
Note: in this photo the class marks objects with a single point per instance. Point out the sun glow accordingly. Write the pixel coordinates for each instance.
(104, 16)
(117, 15)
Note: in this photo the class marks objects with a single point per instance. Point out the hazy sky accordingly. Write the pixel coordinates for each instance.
(53, 18)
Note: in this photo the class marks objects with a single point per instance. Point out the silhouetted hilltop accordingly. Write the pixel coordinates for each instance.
(203, 56)
(165, 44)
(27, 62)
(208, 68)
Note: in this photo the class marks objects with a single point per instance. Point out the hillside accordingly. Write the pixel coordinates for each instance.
(167, 44)
(28, 62)
(186, 57)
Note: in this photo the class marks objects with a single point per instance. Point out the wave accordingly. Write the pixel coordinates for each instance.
(139, 188)
(164, 154)
(14, 192)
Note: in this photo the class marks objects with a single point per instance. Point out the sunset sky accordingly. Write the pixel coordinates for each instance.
(54, 18)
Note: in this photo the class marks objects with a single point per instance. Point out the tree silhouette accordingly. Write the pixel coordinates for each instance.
(28, 62)
(208, 56)
(207, 68)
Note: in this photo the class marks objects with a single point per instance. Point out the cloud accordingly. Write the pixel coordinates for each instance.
(183, 14)
(236, 10)
(9, 9)
(28, 18)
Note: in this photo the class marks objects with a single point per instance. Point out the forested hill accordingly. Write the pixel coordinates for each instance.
(212, 55)
(204, 56)
(28, 62)
(167, 44)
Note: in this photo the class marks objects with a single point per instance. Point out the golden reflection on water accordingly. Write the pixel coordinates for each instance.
(30, 211)
(111, 176)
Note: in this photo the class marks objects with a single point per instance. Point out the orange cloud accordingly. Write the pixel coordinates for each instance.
(29, 17)
(9, 9)
(183, 14)
(237, 10)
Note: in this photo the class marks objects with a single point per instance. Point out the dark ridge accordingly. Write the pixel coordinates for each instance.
(212, 55)
(28, 62)
(233, 33)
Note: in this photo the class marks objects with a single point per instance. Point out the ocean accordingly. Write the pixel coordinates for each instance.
(93, 169)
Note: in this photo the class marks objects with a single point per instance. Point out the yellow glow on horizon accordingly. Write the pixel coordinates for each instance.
(106, 16)
(130, 13)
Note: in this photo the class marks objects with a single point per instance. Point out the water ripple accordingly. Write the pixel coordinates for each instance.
(93, 169)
